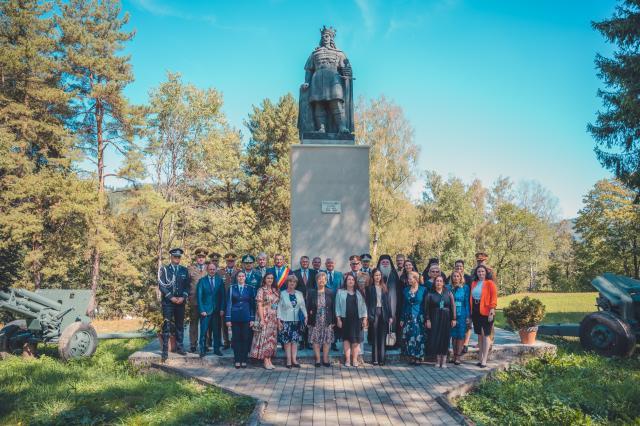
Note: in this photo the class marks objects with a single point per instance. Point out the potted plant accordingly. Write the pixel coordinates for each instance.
(525, 315)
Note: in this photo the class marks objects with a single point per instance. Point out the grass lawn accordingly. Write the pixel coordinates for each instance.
(570, 388)
(561, 307)
(105, 389)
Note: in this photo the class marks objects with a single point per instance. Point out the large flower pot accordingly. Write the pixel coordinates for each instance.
(528, 335)
(172, 342)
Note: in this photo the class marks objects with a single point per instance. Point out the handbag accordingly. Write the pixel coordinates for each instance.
(391, 338)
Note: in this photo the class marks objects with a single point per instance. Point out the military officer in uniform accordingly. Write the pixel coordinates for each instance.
(196, 271)
(366, 263)
(173, 281)
(228, 275)
(253, 277)
(215, 259)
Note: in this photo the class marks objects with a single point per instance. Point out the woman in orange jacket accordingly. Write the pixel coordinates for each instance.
(483, 302)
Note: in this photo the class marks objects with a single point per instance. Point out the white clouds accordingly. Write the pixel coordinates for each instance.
(158, 8)
(367, 13)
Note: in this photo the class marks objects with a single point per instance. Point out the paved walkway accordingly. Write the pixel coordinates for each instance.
(393, 394)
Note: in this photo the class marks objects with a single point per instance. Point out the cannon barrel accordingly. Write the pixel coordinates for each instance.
(38, 299)
(17, 310)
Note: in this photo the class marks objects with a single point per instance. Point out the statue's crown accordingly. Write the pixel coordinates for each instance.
(330, 30)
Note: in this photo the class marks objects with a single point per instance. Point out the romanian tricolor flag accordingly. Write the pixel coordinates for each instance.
(282, 281)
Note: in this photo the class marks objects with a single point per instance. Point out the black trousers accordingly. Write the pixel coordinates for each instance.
(172, 313)
(378, 337)
(241, 341)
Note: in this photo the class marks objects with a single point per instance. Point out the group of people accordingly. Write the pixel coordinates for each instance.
(253, 307)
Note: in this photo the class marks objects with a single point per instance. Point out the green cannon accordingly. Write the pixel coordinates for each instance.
(48, 316)
(615, 328)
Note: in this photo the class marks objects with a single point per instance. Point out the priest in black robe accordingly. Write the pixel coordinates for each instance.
(390, 275)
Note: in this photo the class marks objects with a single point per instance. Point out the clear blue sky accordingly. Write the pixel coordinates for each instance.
(491, 87)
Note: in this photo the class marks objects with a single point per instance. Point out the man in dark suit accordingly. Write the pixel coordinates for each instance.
(173, 281)
(306, 281)
(211, 305)
(280, 271)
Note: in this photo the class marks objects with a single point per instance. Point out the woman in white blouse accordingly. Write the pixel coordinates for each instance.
(292, 317)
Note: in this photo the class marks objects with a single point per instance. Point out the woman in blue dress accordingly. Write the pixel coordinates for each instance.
(412, 319)
(460, 292)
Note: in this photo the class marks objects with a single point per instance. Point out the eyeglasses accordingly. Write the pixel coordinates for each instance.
(355, 264)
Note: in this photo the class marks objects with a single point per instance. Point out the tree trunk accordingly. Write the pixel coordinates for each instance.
(37, 267)
(636, 266)
(95, 267)
(374, 248)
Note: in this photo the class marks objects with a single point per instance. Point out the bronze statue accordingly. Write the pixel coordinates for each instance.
(326, 96)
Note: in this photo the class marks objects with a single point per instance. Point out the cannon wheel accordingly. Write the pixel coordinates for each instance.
(77, 340)
(6, 346)
(607, 335)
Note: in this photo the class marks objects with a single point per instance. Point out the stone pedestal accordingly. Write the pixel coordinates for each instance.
(329, 201)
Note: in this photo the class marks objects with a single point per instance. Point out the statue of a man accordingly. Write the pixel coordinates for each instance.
(327, 88)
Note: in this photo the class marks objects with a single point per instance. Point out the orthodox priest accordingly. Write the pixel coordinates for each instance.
(390, 275)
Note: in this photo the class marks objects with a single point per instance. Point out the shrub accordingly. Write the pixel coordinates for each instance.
(524, 313)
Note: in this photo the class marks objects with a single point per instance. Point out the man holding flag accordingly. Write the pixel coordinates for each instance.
(280, 271)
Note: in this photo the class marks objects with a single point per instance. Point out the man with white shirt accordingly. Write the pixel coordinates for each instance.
(280, 270)
(306, 281)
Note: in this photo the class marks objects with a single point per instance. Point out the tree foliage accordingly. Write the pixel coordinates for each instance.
(393, 155)
(617, 127)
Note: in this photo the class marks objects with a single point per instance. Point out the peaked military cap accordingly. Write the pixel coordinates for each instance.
(214, 256)
(200, 251)
(177, 252)
(247, 258)
(366, 257)
(230, 256)
(482, 256)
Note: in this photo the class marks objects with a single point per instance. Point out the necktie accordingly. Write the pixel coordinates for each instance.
(241, 289)
(304, 276)
(331, 279)
(211, 281)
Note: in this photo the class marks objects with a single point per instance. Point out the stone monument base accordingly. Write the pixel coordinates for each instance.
(329, 201)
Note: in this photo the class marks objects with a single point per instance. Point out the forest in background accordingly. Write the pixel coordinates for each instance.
(193, 180)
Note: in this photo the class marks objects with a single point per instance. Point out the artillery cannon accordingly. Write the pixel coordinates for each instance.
(49, 316)
(615, 328)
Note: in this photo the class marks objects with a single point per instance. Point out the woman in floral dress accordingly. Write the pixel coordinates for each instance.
(322, 318)
(412, 319)
(265, 339)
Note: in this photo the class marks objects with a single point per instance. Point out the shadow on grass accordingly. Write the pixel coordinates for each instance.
(106, 389)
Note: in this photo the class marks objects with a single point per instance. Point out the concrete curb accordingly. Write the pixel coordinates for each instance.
(257, 414)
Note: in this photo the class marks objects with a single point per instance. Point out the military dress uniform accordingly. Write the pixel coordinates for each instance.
(196, 271)
(254, 278)
(173, 281)
(228, 276)
(366, 258)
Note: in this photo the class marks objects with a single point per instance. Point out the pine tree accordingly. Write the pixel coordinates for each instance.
(273, 130)
(92, 36)
(35, 153)
(617, 128)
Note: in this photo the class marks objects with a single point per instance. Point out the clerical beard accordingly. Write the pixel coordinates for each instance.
(386, 270)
